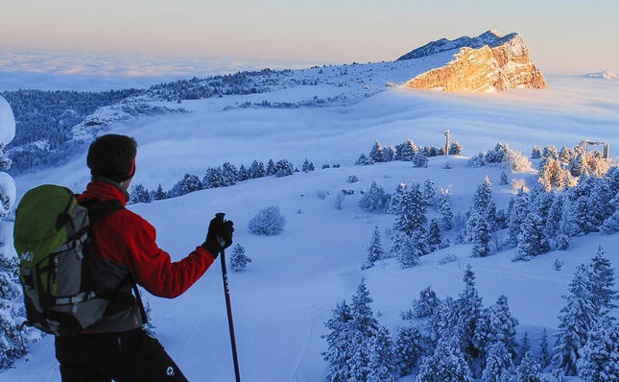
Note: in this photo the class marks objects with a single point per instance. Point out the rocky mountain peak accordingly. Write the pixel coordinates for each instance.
(484, 63)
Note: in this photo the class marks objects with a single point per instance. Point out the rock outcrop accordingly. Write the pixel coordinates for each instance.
(486, 63)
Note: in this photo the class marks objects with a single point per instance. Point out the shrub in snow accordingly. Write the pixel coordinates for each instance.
(268, 221)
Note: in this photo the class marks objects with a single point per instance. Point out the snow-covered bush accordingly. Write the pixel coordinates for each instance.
(268, 222)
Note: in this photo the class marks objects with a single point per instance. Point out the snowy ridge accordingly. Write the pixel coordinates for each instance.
(491, 38)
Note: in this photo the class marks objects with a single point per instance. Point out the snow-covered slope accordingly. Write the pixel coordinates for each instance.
(282, 300)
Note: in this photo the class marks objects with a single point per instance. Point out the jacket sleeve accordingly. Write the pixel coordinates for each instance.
(153, 268)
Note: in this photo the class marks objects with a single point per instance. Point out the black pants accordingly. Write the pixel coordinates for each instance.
(124, 357)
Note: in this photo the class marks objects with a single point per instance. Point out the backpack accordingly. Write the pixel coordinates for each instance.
(51, 231)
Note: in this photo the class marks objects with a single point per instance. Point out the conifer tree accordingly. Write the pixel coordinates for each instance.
(159, 193)
(429, 192)
(599, 358)
(470, 310)
(376, 153)
(383, 363)
(602, 282)
(503, 326)
(499, 362)
(406, 151)
(576, 319)
(433, 236)
(405, 249)
(427, 304)
(445, 209)
(410, 347)
(238, 259)
(531, 240)
(528, 370)
(307, 166)
(544, 352)
(480, 235)
(447, 364)
(375, 199)
(519, 209)
(338, 339)
(364, 326)
(397, 199)
(375, 250)
(525, 346)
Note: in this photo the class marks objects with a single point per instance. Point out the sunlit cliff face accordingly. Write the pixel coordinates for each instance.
(506, 66)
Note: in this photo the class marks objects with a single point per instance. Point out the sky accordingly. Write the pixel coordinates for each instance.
(566, 37)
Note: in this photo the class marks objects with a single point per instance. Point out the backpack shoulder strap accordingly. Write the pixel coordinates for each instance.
(97, 210)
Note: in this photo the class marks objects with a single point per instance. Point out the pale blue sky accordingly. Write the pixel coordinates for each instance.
(563, 36)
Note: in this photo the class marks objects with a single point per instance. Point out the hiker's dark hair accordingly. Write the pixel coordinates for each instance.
(112, 156)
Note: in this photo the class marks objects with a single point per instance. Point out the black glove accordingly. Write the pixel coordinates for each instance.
(219, 236)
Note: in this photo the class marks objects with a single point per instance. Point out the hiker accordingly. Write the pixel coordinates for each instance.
(124, 252)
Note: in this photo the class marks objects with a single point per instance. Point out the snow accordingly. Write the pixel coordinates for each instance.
(281, 301)
(7, 122)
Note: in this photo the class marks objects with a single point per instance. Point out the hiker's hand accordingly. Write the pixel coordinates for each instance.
(219, 236)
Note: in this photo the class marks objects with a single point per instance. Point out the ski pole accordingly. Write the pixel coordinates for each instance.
(224, 274)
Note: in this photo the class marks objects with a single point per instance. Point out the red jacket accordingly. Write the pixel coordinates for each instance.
(126, 245)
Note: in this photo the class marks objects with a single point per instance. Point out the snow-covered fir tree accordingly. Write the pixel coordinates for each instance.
(406, 151)
(528, 370)
(339, 337)
(239, 260)
(544, 350)
(531, 239)
(433, 235)
(599, 358)
(412, 215)
(389, 154)
(376, 153)
(364, 326)
(307, 166)
(405, 249)
(11, 314)
(427, 303)
(601, 283)
(428, 192)
(576, 319)
(375, 250)
(503, 326)
(470, 310)
(229, 174)
(420, 159)
(482, 211)
(519, 209)
(525, 346)
(395, 204)
(498, 363)
(446, 364)
(160, 194)
(480, 234)
(383, 361)
(410, 346)
(283, 168)
(139, 194)
(189, 183)
(256, 170)
(445, 209)
(375, 199)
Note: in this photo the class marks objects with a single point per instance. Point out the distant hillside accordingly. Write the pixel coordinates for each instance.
(607, 75)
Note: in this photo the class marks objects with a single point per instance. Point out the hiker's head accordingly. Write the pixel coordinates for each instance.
(112, 156)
